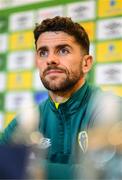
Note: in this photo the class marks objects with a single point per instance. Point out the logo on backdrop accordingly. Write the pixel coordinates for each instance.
(112, 2)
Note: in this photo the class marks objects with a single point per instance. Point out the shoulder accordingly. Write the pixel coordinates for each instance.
(107, 107)
(7, 133)
(100, 96)
(44, 105)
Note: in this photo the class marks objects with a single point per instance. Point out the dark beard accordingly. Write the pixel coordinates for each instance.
(64, 85)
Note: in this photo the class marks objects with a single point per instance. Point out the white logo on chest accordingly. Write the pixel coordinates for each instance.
(44, 143)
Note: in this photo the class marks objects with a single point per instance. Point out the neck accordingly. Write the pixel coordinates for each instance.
(61, 97)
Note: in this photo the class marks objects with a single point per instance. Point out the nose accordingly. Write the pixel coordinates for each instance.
(52, 59)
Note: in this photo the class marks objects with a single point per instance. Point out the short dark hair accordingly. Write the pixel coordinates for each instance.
(66, 25)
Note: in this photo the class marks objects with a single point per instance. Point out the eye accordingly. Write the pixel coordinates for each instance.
(43, 53)
(64, 51)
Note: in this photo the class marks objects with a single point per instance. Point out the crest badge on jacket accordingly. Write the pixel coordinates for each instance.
(83, 140)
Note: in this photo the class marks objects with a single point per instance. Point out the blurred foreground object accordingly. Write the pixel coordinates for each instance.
(27, 125)
(20, 162)
(109, 135)
(13, 161)
(103, 159)
(21, 158)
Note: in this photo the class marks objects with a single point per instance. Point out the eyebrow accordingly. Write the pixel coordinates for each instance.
(56, 47)
(42, 48)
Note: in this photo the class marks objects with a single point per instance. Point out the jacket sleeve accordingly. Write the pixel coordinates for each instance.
(6, 135)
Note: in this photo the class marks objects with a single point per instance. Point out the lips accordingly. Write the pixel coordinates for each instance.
(54, 71)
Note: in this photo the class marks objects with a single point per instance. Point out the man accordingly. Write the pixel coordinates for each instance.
(73, 106)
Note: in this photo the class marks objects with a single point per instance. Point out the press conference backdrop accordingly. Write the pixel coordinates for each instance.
(19, 79)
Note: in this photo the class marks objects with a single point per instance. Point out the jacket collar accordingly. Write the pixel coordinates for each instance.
(78, 99)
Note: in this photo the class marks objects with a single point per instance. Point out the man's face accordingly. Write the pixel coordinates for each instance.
(59, 59)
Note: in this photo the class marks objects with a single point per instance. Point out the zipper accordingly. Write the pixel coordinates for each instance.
(65, 138)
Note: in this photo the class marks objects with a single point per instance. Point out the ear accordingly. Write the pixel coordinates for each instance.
(87, 63)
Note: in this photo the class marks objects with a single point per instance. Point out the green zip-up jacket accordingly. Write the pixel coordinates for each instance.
(87, 108)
